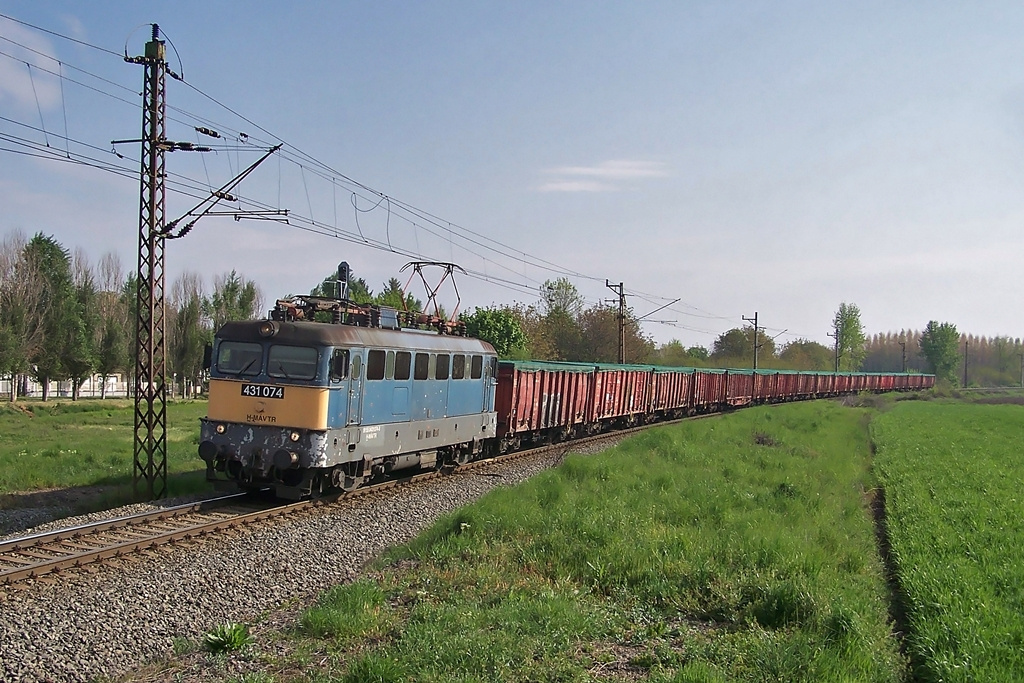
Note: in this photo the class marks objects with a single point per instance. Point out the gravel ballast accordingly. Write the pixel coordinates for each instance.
(105, 621)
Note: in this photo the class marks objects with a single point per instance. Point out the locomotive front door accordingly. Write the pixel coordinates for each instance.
(355, 389)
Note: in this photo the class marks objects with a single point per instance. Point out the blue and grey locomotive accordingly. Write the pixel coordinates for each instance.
(301, 406)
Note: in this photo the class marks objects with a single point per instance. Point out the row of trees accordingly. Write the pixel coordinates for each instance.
(61, 319)
(941, 349)
(561, 327)
(735, 348)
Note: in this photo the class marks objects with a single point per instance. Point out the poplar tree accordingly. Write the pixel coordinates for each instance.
(233, 298)
(850, 338)
(940, 346)
(189, 332)
(63, 350)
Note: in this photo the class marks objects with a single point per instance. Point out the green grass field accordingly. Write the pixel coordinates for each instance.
(736, 548)
(60, 444)
(733, 548)
(953, 476)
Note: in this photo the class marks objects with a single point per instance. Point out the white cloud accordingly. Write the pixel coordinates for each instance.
(606, 176)
(576, 186)
(16, 84)
(617, 169)
(74, 26)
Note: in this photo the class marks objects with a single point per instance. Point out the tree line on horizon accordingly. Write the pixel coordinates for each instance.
(63, 319)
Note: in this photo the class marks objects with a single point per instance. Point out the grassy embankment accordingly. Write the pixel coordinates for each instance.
(733, 548)
(59, 444)
(952, 475)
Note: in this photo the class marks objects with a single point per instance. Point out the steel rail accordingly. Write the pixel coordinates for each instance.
(15, 544)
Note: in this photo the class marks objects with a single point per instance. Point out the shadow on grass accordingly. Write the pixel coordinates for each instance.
(1001, 400)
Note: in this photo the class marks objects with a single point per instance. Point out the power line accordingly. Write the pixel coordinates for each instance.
(417, 214)
(60, 35)
(189, 187)
(471, 242)
(409, 207)
(70, 66)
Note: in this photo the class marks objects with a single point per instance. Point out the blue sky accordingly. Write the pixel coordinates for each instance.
(778, 157)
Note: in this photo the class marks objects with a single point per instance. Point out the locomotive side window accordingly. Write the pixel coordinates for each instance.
(239, 358)
(292, 362)
(422, 366)
(476, 368)
(389, 366)
(458, 366)
(403, 363)
(442, 366)
(357, 366)
(375, 364)
(339, 365)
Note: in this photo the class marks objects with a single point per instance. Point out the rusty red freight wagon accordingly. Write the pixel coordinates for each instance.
(542, 398)
(550, 401)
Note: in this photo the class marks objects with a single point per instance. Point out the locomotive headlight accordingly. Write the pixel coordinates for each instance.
(268, 328)
(219, 429)
(294, 436)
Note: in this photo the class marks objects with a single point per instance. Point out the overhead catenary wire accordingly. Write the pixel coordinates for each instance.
(418, 213)
(181, 187)
(334, 173)
(74, 68)
(490, 251)
(59, 35)
(188, 187)
(38, 107)
(64, 107)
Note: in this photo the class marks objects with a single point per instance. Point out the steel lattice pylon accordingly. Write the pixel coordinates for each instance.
(150, 353)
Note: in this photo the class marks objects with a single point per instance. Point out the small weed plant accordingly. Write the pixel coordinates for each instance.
(254, 677)
(182, 646)
(227, 637)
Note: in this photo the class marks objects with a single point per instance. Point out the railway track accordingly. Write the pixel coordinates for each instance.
(33, 556)
(38, 555)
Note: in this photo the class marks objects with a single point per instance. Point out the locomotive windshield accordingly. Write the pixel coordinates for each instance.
(292, 362)
(239, 358)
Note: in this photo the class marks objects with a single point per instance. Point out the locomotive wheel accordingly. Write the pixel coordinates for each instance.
(455, 457)
(346, 483)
